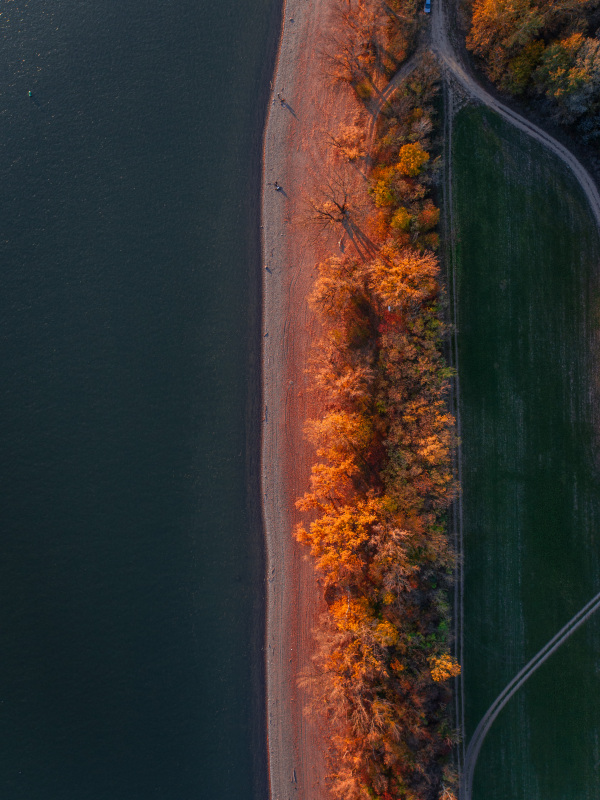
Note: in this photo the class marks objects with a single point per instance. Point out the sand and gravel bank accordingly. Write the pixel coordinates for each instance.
(302, 107)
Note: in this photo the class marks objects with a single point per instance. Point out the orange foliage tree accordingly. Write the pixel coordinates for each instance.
(545, 47)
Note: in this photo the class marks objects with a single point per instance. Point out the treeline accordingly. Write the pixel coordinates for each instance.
(543, 48)
(382, 484)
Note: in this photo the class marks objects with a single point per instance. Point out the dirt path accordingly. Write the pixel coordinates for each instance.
(457, 507)
(303, 107)
(389, 90)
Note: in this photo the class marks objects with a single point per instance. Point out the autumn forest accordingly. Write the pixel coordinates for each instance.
(381, 486)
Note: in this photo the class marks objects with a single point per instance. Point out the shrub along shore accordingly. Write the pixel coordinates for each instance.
(382, 483)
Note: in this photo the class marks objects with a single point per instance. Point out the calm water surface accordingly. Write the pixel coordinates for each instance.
(130, 554)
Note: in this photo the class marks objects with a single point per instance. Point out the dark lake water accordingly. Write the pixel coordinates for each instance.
(131, 545)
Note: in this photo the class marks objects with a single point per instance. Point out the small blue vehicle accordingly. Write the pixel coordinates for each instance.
(427, 6)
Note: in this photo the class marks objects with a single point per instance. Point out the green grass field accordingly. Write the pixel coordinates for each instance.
(527, 261)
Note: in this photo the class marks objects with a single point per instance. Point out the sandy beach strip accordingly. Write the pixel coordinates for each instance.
(301, 109)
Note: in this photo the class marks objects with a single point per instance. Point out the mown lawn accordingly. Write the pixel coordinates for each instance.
(527, 260)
